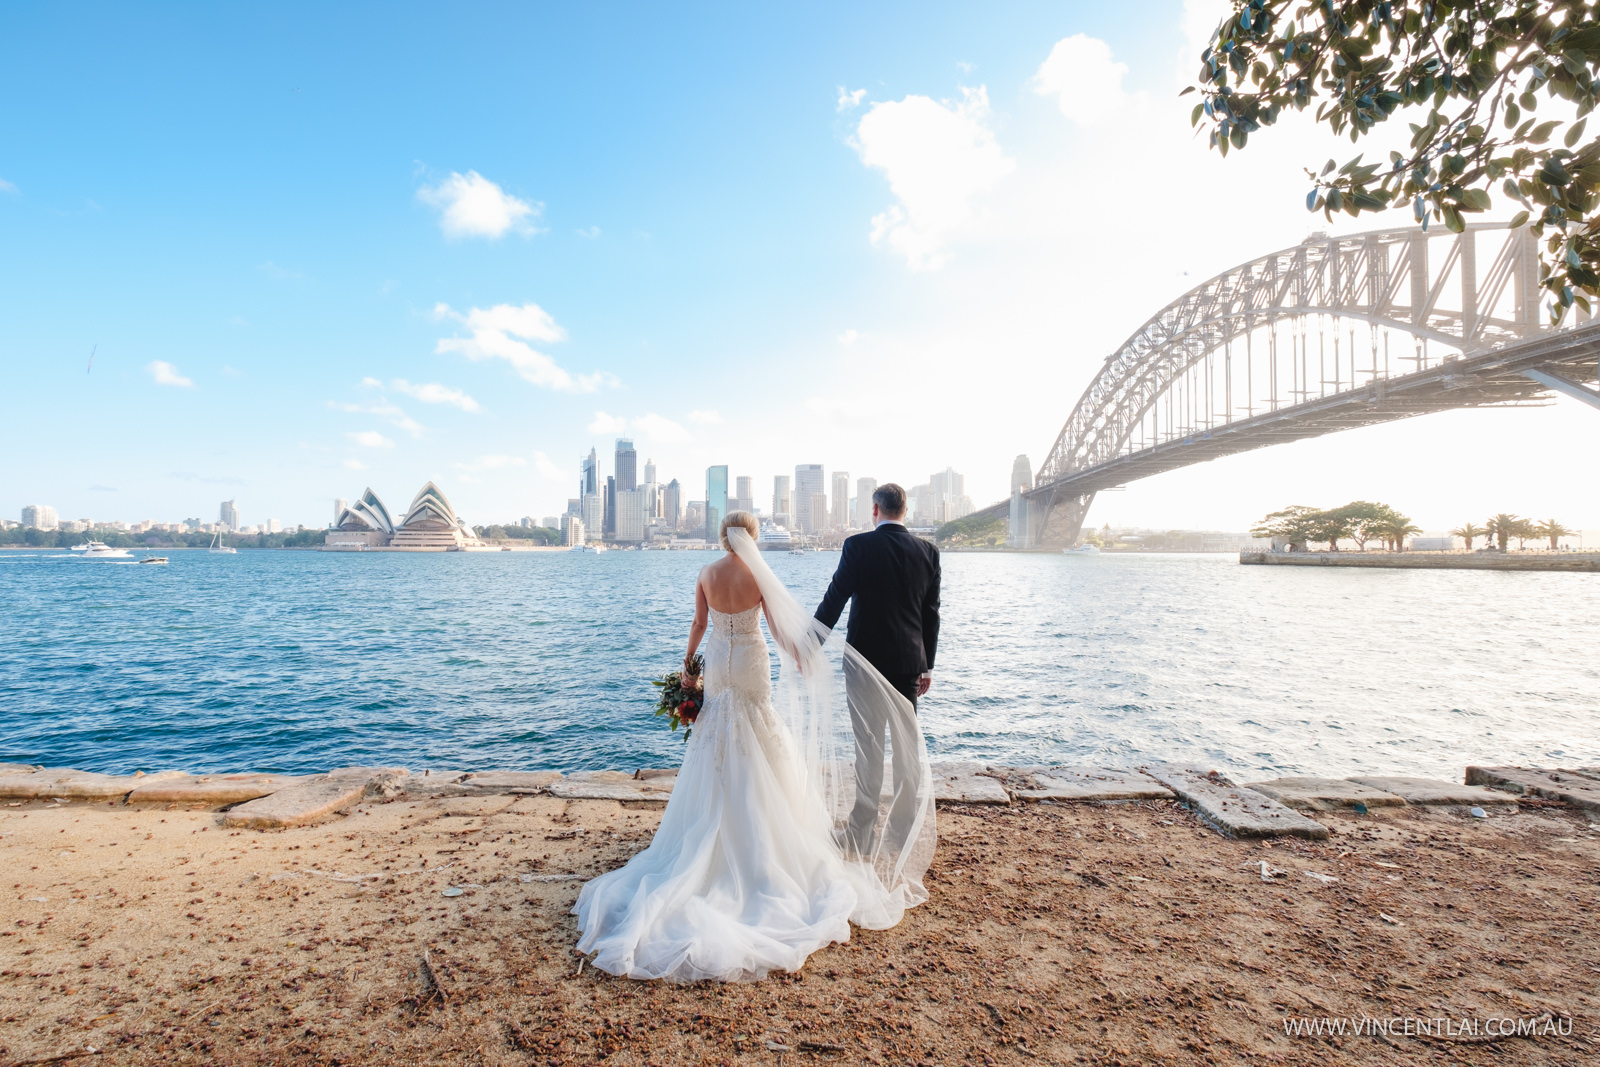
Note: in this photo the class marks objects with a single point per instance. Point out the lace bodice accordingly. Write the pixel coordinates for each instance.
(741, 622)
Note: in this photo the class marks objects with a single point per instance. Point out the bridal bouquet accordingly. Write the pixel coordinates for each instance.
(681, 695)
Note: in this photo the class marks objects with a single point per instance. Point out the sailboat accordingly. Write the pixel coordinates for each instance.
(219, 548)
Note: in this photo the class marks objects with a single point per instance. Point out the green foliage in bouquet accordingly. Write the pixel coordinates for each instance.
(682, 695)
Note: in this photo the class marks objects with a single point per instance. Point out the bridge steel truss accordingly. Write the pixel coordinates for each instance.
(1269, 352)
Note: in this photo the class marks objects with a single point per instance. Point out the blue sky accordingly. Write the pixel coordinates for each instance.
(326, 246)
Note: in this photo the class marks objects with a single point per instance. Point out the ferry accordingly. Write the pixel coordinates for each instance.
(774, 538)
(101, 550)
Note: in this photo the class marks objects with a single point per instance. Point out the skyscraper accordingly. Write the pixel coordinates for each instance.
(672, 503)
(865, 487)
(40, 517)
(229, 515)
(781, 509)
(589, 475)
(649, 471)
(630, 515)
(1021, 474)
(743, 497)
(808, 483)
(949, 496)
(610, 521)
(592, 515)
(839, 515)
(627, 465)
(716, 499)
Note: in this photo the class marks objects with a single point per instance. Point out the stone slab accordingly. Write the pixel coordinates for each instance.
(961, 783)
(1233, 808)
(610, 785)
(50, 782)
(19, 768)
(511, 781)
(1082, 783)
(215, 790)
(1578, 790)
(298, 805)
(1433, 791)
(1326, 794)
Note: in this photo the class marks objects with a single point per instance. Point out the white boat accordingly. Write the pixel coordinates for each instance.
(1081, 550)
(101, 550)
(587, 548)
(219, 548)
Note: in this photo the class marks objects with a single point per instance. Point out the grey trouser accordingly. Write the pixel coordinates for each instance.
(869, 727)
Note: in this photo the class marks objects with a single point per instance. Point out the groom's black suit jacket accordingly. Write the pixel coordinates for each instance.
(894, 578)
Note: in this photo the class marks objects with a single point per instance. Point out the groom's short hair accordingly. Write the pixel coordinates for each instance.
(891, 500)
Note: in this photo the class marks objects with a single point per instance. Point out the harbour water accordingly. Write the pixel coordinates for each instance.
(299, 661)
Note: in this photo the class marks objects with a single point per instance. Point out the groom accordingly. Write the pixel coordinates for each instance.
(894, 624)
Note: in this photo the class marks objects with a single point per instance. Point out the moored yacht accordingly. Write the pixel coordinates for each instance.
(219, 548)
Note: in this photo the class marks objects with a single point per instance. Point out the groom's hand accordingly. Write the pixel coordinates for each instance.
(924, 680)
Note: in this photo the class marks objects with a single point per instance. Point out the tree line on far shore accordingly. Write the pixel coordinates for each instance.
(30, 537)
(1364, 522)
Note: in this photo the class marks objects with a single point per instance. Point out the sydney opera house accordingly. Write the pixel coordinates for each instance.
(430, 525)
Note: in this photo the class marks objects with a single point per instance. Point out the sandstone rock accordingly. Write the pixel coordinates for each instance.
(1233, 808)
(214, 790)
(960, 783)
(1081, 783)
(1325, 794)
(1576, 789)
(317, 799)
(1434, 791)
(511, 781)
(63, 782)
(610, 785)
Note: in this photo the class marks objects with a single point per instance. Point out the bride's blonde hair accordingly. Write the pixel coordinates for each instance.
(739, 518)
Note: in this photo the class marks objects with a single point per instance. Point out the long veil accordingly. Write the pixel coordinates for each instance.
(889, 866)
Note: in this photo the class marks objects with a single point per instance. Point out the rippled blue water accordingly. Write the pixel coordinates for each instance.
(295, 661)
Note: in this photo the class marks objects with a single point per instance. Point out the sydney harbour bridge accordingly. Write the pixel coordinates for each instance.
(1332, 334)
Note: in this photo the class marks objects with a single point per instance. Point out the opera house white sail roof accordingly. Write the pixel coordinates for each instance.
(430, 525)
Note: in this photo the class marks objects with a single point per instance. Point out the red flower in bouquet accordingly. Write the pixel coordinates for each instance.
(682, 695)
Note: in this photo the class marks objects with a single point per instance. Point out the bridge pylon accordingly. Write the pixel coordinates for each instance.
(1055, 519)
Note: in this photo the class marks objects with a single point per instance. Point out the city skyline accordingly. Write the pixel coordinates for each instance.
(465, 279)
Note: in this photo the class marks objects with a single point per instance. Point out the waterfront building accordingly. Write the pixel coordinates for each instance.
(649, 471)
(229, 515)
(574, 506)
(839, 515)
(40, 517)
(626, 466)
(950, 498)
(780, 499)
(817, 513)
(672, 504)
(273, 526)
(1021, 474)
(922, 500)
(808, 482)
(431, 525)
(571, 530)
(364, 524)
(694, 518)
(716, 499)
(630, 515)
(592, 514)
(865, 487)
(744, 498)
(339, 506)
(550, 522)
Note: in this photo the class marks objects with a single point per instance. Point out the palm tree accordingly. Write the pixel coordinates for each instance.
(1523, 530)
(1503, 527)
(1467, 532)
(1552, 529)
(1394, 531)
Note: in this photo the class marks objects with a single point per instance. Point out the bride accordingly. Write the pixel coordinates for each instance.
(748, 871)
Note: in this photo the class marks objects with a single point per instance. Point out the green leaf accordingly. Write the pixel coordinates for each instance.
(1541, 133)
(1573, 134)
(1328, 167)
(1194, 117)
(1453, 220)
(1187, 91)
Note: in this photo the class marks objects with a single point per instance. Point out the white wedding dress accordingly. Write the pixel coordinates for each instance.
(745, 873)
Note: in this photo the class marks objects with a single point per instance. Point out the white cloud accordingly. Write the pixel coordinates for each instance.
(435, 393)
(7, 187)
(491, 463)
(592, 232)
(848, 337)
(370, 439)
(503, 332)
(657, 428)
(548, 468)
(384, 410)
(355, 464)
(850, 98)
(165, 373)
(938, 158)
(473, 206)
(1084, 79)
(707, 418)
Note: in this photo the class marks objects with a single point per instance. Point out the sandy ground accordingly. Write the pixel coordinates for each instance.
(1055, 934)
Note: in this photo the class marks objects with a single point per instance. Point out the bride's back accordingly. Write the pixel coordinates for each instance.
(729, 586)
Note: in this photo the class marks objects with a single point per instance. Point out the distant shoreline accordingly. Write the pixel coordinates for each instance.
(1462, 561)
